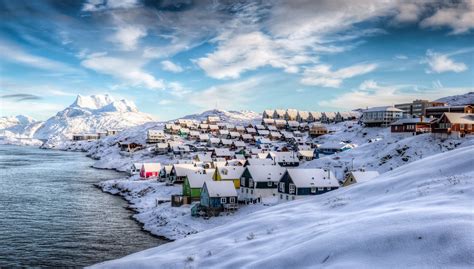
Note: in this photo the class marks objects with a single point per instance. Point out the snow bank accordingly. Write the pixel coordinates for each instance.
(419, 215)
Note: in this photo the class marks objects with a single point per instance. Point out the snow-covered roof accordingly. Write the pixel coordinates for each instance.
(363, 176)
(293, 123)
(261, 173)
(151, 167)
(292, 112)
(260, 162)
(230, 172)
(184, 169)
(333, 145)
(220, 188)
(234, 134)
(330, 115)
(239, 143)
(383, 109)
(222, 152)
(312, 177)
(461, 118)
(306, 153)
(287, 156)
(196, 180)
(155, 132)
(413, 120)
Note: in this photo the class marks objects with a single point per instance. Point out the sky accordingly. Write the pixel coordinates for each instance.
(174, 58)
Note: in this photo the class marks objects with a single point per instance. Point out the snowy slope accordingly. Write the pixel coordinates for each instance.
(456, 100)
(419, 215)
(233, 117)
(19, 130)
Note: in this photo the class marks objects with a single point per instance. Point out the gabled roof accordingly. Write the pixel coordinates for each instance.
(223, 152)
(151, 167)
(312, 177)
(230, 172)
(155, 132)
(413, 120)
(262, 173)
(220, 188)
(306, 153)
(286, 156)
(260, 162)
(196, 180)
(292, 112)
(185, 169)
(363, 176)
(461, 118)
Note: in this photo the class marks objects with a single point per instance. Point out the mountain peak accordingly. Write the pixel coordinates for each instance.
(103, 103)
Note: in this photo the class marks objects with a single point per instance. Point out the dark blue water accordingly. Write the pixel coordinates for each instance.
(52, 215)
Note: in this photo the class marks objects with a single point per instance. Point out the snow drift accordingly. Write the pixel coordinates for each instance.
(418, 215)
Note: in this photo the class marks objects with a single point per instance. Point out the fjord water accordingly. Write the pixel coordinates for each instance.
(51, 215)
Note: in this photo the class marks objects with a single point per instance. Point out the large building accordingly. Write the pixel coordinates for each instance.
(417, 107)
(381, 116)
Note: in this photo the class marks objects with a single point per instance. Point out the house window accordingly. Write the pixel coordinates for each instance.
(247, 190)
(232, 200)
(282, 186)
(293, 198)
(320, 189)
(313, 190)
(223, 200)
(281, 196)
(292, 188)
(251, 191)
(269, 184)
(242, 190)
(250, 183)
(461, 126)
(328, 188)
(287, 197)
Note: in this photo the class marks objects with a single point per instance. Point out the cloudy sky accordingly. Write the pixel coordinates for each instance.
(179, 57)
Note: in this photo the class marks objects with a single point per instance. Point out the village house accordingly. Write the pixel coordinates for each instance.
(328, 117)
(135, 169)
(251, 131)
(129, 147)
(155, 136)
(203, 138)
(381, 116)
(223, 133)
(292, 125)
(203, 127)
(305, 155)
(224, 153)
(353, 177)
(213, 129)
(438, 111)
(279, 114)
(413, 126)
(259, 182)
(314, 116)
(238, 145)
(225, 143)
(88, 137)
(299, 183)
(333, 147)
(262, 132)
(267, 114)
(213, 142)
(213, 119)
(268, 122)
(275, 135)
(149, 170)
(248, 138)
(216, 197)
(458, 124)
(258, 161)
(317, 129)
(229, 173)
(240, 129)
(302, 116)
(112, 132)
(291, 114)
(193, 184)
(285, 159)
(180, 171)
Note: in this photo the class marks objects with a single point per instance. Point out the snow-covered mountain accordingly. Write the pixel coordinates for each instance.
(418, 215)
(86, 114)
(234, 117)
(462, 99)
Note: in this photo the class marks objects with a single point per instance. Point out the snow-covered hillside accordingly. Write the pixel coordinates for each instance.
(456, 100)
(419, 215)
(233, 117)
(19, 130)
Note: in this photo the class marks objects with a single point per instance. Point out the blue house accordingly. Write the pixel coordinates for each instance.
(218, 196)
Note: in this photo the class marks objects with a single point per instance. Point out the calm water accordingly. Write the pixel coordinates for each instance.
(52, 215)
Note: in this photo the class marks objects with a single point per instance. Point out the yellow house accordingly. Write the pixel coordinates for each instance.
(229, 173)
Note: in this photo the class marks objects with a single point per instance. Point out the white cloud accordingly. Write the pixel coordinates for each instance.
(128, 70)
(233, 95)
(400, 57)
(16, 54)
(370, 94)
(99, 5)
(165, 102)
(170, 66)
(459, 17)
(322, 75)
(127, 36)
(250, 51)
(439, 63)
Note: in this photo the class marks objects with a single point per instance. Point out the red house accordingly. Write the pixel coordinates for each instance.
(150, 170)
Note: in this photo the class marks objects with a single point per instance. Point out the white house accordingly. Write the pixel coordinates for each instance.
(259, 182)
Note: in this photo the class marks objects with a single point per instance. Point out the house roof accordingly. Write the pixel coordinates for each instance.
(230, 172)
(363, 176)
(222, 152)
(461, 118)
(261, 173)
(184, 169)
(312, 177)
(333, 145)
(137, 165)
(155, 132)
(151, 167)
(286, 156)
(413, 120)
(220, 188)
(383, 109)
(306, 153)
(196, 180)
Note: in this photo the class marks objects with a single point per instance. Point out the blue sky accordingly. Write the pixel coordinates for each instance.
(174, 58)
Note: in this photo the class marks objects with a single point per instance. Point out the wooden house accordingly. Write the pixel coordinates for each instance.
(314, 116)
(302, 116)
(305, 155)
(203, 138)
(353, 177)
(333, 147)
(459, 124)
(218, 196)
(279, 114)
(299, 183)
(414, 126)
(240, 129)
(268, 114)
(180, 171)
(213, 142)
(280, 123)
(292, 125)
(259, 182)
(285, 159)
(247, 138)
(251, 131)
(149, 170)
(275, 135)
(234, 135)
(193, 184)
(225, 143)
(155, 136)
(268, 122)
(229, 173)
(213, 119)
(317, 129)
(129, 147)
(224, 153)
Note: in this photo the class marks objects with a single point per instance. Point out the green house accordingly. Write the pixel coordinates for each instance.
(193, 184)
